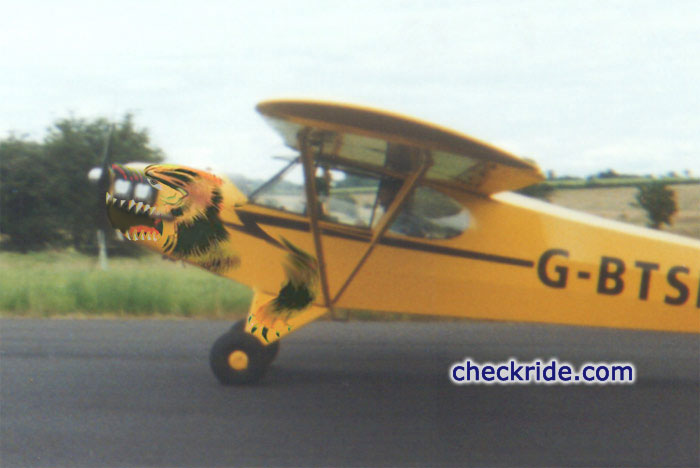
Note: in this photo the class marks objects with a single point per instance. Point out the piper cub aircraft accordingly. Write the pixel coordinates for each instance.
(382, 212)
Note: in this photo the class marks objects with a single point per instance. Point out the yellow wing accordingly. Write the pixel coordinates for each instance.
(384, 142)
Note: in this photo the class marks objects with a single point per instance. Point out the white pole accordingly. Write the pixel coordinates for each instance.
(102, 249)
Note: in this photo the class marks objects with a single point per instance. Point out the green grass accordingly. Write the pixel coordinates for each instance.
(67, 284)
(64, 283)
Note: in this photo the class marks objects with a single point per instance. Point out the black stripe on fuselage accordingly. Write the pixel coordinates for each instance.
(252, 228)
(298, 225)
(441, 249)
(250, 218)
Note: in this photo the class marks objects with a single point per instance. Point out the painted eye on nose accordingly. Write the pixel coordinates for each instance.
(142, 192)
(122, 188)
(154, 183)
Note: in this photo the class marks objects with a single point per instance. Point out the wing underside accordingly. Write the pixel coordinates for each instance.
(396, 145)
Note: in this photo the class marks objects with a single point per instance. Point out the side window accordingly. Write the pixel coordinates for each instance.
(285, 194)
(428, 214)
(346, 197)
(356, 198)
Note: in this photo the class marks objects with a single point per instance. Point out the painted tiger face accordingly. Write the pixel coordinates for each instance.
(176, 207)
(184, 193)
(132, 205)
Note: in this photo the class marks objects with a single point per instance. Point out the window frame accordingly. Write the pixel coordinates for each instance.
(377, 210)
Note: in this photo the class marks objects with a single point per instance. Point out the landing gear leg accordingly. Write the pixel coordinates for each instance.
(243, 354)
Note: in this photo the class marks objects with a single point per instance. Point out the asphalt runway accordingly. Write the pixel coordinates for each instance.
(140, 393)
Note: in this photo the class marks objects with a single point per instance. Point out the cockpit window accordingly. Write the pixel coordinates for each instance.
(286, 193)
(356, 198)
(430, 214)
(348, 198)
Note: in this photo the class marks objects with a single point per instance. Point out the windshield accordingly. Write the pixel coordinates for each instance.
(356, 198)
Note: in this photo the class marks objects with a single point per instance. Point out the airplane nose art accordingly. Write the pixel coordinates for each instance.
(176, 210)
(132, 205)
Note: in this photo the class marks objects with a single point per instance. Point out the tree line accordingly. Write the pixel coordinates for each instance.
(46, 200)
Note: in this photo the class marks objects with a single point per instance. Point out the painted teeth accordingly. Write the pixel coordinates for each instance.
(143, 235)
(141, 207)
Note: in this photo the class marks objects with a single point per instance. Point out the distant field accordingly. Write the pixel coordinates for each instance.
(616, 182)
(616, 203)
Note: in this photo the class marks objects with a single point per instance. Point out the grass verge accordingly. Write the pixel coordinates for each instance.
(65, 283)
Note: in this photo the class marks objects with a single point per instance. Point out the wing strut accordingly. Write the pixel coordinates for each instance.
(387, 218)
(312, 206)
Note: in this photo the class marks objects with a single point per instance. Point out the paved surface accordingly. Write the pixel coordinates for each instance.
(140, 393)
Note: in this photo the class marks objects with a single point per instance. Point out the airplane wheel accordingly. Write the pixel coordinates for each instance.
(238, 358)
(239, 326)
(269, 352)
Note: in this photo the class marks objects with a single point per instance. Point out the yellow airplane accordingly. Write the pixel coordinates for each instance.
(387, 213)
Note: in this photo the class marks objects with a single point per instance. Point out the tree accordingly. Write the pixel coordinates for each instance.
(27, 217)
(659, 202)
(45, 197)
(609, 174)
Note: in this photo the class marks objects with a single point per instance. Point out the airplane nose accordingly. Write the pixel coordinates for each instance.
(131, 184)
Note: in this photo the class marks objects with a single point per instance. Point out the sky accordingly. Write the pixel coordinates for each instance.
(579, 87)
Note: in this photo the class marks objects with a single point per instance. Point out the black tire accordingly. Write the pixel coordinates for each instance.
(269, 351)
(239, 326)
(247, 349)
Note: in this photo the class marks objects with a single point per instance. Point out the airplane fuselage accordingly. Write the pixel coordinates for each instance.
(518, 260)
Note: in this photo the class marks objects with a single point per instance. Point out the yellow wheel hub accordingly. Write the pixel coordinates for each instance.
(238, 360)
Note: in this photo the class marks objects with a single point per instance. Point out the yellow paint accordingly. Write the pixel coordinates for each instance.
(282, 325)
(238, 360)
(520, 260)
(414, 281)
(459, 160)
